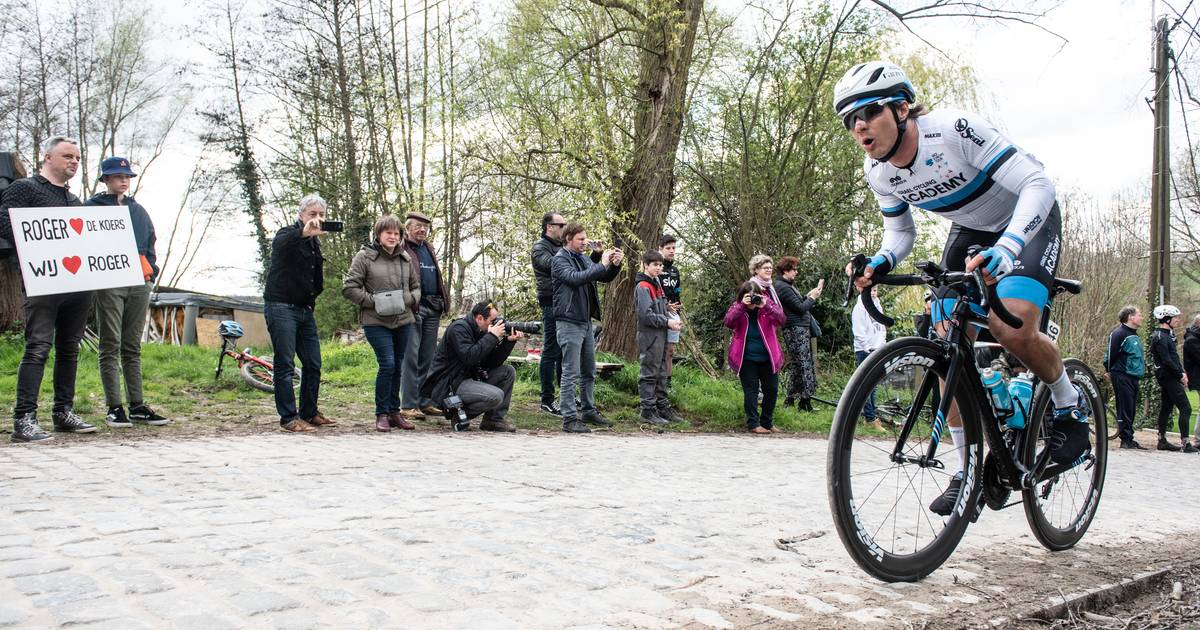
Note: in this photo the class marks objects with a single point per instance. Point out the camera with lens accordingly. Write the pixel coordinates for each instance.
(453, 406)
(529, 328)
(756, 300)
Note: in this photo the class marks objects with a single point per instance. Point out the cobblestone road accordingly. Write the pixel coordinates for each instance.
(508, 531)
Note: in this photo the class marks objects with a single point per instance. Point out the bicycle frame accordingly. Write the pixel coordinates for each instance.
(958, 349)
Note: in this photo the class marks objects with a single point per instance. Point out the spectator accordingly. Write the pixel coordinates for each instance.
(544, 250)
(576, 304)
(121, 312)
(57, 320)
(294, 280)
(1172, 380)
(382, 283)
(1126, 365)
(470, 363)
(1191, 365)
(923, 323)
(653, 325)
(754, 353)
(797, 333)
(869, 336)
(672, 286)
(435, 302)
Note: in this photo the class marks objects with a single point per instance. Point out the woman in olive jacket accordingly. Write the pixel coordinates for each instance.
(380, 267)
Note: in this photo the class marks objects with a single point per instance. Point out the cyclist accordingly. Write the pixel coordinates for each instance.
(957, 165)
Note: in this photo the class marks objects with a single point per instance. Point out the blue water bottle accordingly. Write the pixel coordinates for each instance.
(1020, 390)
(994, 384)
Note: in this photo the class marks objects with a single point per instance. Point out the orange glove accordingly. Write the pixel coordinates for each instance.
(147, 269)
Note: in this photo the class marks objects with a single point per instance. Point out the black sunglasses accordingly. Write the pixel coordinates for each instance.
(866, 113)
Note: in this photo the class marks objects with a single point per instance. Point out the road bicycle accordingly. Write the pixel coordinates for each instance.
(882, 480)
(258, 372)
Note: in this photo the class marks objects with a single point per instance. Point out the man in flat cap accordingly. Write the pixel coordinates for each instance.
(434, 303)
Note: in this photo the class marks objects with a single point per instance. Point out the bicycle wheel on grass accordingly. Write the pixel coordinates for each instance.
(881, 507)
(1061, 509)
(262, 378)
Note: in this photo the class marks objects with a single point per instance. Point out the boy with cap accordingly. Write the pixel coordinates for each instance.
(121, 312)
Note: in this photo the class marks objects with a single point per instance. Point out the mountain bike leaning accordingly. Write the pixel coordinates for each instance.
(883, 487)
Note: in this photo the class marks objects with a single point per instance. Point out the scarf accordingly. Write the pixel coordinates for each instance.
(765, 286)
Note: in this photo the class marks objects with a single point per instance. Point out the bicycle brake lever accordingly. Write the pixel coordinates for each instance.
(858, 264)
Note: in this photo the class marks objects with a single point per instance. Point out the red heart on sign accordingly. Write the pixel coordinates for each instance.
(72, 263)
(77, 225)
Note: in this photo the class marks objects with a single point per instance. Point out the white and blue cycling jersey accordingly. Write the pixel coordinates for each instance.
(968, 172)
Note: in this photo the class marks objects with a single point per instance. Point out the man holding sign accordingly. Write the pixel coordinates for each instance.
(121, 311)
(57, 319)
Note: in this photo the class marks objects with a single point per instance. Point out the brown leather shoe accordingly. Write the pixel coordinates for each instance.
(320, 420)
(412, 414)
(501, 426)
(383, 422)
(297, 426)
(430, 410)
(398, 421)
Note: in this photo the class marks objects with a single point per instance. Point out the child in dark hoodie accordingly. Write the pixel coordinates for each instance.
(121, 312)
(650, 304)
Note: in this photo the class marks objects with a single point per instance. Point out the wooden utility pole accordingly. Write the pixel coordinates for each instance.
(1159, 289)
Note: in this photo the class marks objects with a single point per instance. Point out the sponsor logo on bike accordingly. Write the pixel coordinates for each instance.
(968, 482)
(1085, 517)
(911, 358)
(862, 534)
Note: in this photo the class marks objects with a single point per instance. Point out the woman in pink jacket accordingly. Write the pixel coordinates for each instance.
(754, 353)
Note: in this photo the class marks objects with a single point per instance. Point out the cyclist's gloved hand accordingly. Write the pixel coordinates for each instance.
(997, 261)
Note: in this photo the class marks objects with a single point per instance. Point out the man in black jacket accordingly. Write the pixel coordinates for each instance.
(1125, 364)
(1191, 365)
(576, 304)
(672, 286)
(1171, 378)
(435, 302)
(470, 363)
(550, 363)
(50, 320)
(294, 280)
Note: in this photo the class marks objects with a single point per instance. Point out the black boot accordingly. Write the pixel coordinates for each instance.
(1165, 445)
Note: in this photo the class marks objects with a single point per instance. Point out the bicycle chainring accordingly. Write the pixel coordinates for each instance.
(995, 492)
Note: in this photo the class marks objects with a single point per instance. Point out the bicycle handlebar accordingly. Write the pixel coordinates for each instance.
(932, 275)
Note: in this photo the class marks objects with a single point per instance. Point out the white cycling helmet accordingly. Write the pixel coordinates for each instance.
(1165, 311)
(871, 82)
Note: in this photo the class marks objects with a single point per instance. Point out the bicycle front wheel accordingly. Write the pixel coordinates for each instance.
(1061, 509)
(881, 503)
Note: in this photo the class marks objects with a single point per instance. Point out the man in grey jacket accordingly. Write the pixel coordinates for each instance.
(576, 304)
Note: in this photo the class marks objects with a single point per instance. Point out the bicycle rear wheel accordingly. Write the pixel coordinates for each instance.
(1061, 509)
(880, 506)
(262, 378)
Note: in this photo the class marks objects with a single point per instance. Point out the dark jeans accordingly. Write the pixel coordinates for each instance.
(294, 332)
(422, 344)
(550, 365)
(869, 406)
(389, 345)
(1125, 389)
(754, 374)
(51, 320)
(1173, 395)
(491, 397)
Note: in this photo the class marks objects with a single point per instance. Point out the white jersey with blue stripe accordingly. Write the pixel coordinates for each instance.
(966, 171)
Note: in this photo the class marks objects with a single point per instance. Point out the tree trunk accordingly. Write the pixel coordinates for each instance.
(646, 188)
(12, 298)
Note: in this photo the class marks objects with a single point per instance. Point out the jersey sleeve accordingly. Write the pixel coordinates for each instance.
(1012, 169)
(899, 230)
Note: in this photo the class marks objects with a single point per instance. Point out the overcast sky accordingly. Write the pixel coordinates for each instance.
(1079, 107)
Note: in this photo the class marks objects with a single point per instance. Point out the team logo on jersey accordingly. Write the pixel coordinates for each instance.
(936, 158)
(932, 189)
(1032, 225)
(933, 134)
(895, 180)
(1050, 256)
(965, 130)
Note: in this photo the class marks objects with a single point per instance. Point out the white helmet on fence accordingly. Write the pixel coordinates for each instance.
(1165, 311)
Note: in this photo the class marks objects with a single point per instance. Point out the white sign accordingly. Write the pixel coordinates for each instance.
(83, 248)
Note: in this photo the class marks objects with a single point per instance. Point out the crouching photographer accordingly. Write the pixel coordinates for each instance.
(469, 375)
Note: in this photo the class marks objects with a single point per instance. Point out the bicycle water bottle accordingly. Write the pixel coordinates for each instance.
(994, 384)
(1020, 390)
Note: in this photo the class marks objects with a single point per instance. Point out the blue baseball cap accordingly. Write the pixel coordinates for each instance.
(115, 166)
